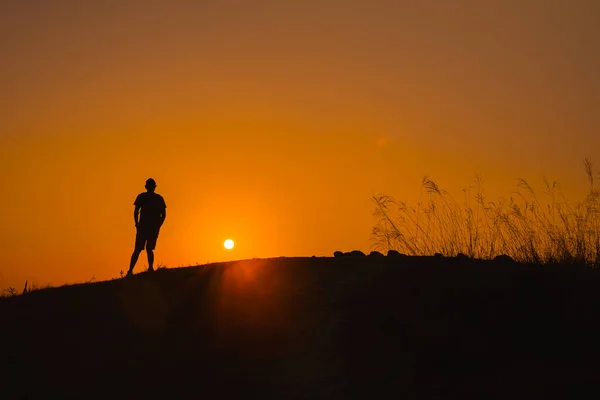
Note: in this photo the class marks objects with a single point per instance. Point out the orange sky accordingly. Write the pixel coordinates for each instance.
(273, 122)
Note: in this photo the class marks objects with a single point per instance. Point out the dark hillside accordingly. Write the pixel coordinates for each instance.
(309, 328)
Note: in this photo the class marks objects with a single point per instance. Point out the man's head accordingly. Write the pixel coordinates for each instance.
(150, 185)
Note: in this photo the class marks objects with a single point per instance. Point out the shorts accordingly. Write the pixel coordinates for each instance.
(146, 238)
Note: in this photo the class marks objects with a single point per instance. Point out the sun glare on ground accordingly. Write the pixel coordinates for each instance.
(228, 244)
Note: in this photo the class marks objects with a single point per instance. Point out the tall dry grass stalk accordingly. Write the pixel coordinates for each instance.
(525, 227)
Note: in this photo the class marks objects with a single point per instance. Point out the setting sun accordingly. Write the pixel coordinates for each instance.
(228, 244)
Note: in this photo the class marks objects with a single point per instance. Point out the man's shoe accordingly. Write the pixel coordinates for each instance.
(129, 273)
(150, 269)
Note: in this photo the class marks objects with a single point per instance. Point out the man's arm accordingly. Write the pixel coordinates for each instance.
(136, 215)
(163, 216)
(163, 213)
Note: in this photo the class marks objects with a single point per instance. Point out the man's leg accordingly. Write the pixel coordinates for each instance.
(150, 246)
(140, 242)
(134, 258)
(150, 259)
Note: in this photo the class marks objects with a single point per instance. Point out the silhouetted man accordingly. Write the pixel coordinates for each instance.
(149, 214)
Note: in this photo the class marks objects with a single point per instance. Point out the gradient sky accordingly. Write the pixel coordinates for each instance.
(273, 122)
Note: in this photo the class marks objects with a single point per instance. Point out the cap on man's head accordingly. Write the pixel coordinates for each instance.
(151, 183)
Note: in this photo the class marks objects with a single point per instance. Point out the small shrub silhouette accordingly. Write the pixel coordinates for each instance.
(354, 253)
(393, 253)
(504, 258)
(9, 292)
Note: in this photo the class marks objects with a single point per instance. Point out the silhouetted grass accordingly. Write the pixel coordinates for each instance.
(8, 292)
(12, 292)
(526, 227)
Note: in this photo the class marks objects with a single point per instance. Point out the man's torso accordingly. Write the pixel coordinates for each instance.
(152, 208)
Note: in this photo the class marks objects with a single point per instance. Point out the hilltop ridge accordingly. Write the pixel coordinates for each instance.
(321, 327)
